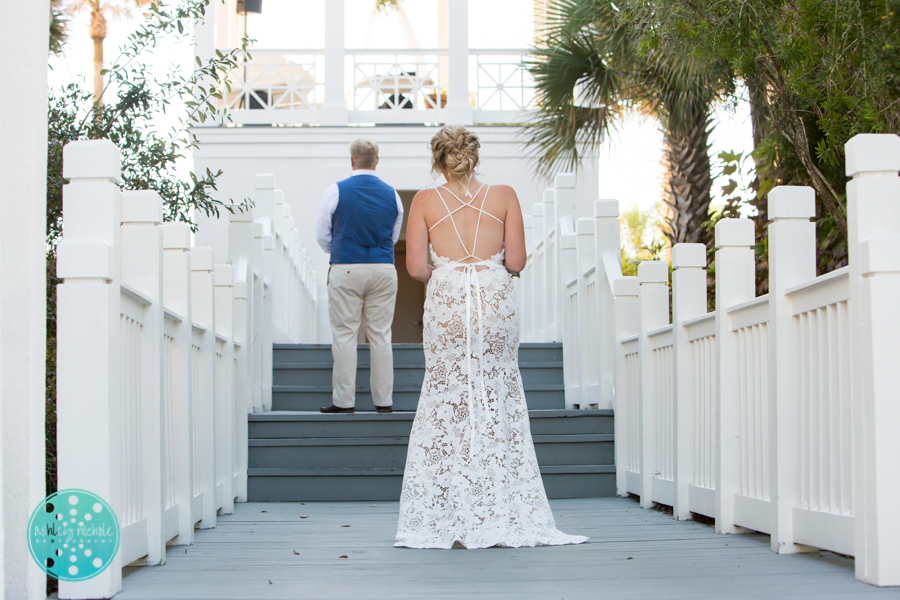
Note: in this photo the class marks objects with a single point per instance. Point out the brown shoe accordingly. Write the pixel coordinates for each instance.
(385, 410)
(336, 409)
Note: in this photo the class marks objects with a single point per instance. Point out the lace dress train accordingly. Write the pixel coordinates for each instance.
(471, 473)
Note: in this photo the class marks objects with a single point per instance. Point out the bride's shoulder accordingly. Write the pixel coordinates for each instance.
(503, 192)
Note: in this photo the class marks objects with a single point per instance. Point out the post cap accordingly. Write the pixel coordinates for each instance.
(735, 232)
(867, 152)
(537, 210)
(689, 256)
(564, 181)
(567, 241)
(653, 271)
(878, 254)
(176, 236)
(202, 258)
(240, 290)
(224, 276)
(526, 219)
(792, 202)
(240, 216)
(626, 286)
(584, 226)
(265, 181)
(257, 229)
(279, 197)
(143, 206)
(549, 195)
(84, 259)
(92, 159)
(606, 208)
(267, 242)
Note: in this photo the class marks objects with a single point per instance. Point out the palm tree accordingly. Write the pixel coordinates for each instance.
(589, 70)
(100, 10)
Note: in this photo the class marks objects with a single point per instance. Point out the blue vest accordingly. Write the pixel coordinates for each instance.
(362, 225)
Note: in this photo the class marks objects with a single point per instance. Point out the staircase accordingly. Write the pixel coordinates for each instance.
(299, 454)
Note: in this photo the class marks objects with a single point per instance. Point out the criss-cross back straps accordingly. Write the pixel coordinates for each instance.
(463, 204)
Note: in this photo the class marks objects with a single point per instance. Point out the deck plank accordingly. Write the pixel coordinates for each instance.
(633, 553)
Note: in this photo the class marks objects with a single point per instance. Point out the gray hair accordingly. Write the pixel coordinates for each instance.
(364, 152)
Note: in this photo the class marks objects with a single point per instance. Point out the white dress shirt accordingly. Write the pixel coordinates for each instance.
(329, 204)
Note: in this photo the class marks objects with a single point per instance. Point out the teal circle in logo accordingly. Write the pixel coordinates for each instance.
(73, 535)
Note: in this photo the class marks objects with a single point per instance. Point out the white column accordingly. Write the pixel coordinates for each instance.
(538, 269)
(177, 299)
(587, 318)
(873, 216)
(654, 306)
(792, 261)
(735, 283)
(142, 266)
(225, 392)
(23, 170)
(688, 301)
(334, 109)
(607, 239)
(458, 110)
(627, 323)
(88, 361)
(568, 324)
(564, 205)
(204, 319)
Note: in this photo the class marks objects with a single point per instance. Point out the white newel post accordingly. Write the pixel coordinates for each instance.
(554, 291)
(203, 317)
(458, 110)
(735, 283)
(608, 255)
(564, 208)
(88, 387)
(259, 316)
(873, 215)
(587, 318)
(526, 287)
(23, 290)
(569, 324)
(654, 313)
(688, 301)
(792, 261)
(628, 322)
(142, 270)
(177, 298)
(264, 212)
(225, 417)
(539, 298)
(334, 109)
(242, 386)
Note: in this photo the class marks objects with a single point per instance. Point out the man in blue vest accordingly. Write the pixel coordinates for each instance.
(358, 224)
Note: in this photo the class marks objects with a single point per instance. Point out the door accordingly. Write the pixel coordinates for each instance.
(410, 308)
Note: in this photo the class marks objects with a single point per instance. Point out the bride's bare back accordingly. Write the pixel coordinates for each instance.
(464, 228)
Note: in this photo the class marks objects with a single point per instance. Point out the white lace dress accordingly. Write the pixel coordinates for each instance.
(471, 473)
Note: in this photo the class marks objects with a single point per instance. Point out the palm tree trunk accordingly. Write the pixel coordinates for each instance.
(98, 34)
(687, 182)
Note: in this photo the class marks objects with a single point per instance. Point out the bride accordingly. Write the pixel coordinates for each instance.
(471, 476)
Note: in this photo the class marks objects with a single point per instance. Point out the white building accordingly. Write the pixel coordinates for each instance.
(296, 110)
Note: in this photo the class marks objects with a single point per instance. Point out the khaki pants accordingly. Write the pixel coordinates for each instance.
(357, 291)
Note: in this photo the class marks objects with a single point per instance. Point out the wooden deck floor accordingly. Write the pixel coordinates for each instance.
(266, 550)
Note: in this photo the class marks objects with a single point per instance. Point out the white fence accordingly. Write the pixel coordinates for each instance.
(775, 414)
(162, 353)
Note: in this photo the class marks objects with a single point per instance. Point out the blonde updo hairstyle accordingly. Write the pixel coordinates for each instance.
(456, 149)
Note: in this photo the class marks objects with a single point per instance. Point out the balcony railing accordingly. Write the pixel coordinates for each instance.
(379, 86)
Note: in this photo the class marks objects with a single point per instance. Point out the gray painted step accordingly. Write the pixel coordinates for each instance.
(309, 456)
(291, 424)
(390, 452)
(302, 376)
(311, 398)
(327, 485)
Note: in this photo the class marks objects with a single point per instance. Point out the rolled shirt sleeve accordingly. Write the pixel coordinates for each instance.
(323, 218)
(398, 224)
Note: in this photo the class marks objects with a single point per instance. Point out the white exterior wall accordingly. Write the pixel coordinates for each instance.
(306, 160)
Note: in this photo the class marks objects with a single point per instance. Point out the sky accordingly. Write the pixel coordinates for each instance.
(629, 161)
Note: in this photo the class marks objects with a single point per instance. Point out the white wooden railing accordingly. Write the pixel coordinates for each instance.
(777, 414)
(162, 353)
